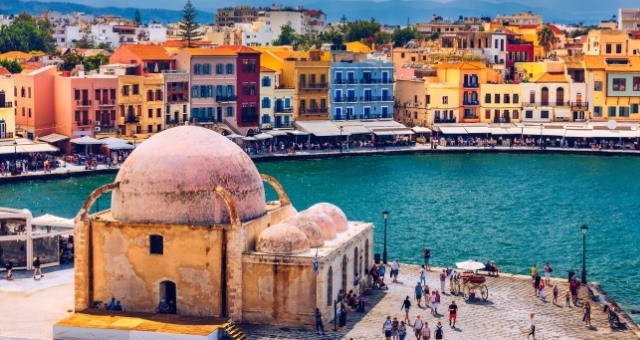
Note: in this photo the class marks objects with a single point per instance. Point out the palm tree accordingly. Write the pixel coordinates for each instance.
(546, 39)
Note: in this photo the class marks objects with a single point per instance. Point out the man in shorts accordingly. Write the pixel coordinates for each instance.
(386, 327)
(453, 312)
(417, 326)
(427, 257)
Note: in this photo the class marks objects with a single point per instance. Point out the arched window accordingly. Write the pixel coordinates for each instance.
(559, 96)
(355, 261)
(330, 287)
(544, 97)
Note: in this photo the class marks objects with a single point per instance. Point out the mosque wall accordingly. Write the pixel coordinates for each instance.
(123, 267)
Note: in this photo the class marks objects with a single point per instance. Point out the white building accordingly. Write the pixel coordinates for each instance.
(629, 19)
(155, 33)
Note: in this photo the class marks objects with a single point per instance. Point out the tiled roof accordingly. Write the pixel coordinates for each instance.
(4, 71)
(600, 62)
(220, 51)
(15, 55)
(551, 78)
(180, 43)
(265, 69)
(555, 29)
(148, 52)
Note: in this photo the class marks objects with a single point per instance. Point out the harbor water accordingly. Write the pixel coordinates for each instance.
(516, 210)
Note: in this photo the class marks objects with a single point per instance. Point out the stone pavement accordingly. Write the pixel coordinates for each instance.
(505, 314)
(31, 307)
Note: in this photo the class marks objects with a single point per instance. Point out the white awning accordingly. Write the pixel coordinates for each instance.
(86, 140)
(262, 136)
(277, 132)
(52, 221)
(356, 130)
(53, 138)
(537, 131)
(504, 130)
(321, 128)
(298, 133)
(452, 130)
(392, 132)
(120, 146)
(615, 133)
(27, 148)
(578, 133)
(421, 129)
(477, 129)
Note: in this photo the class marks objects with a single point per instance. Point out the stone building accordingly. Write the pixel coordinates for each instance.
(189, 222)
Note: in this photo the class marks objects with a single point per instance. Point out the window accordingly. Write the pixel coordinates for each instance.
(150, 113)
(197, 69)
(612, 111)
(597, 86)
(266, 81)
(159, 112)
(156, 245)
(597, 111)
(636, 83)
(528, 114)
(265, 119)
(230, 68)
(619, 84)
(125, 90)
(445, 100)
(230, 111)
(206, 69)
(507, 98)
(516, 114)
(532, 96)
(427, 99)
(266, 103)
(150, 95)
(516, 98)
(623, 111)
(634, 108)
(608, 49)
(496, 98)
(544, 114)
(618, 48)
(487, 98)
(487, 114)
(136, 89)
(219, 68)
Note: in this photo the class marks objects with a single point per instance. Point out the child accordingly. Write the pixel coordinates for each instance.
(567, 296)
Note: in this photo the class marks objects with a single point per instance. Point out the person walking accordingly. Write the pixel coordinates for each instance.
(426, 331)
(36, 268)
(417, 326)
(423, 275)
(427, 258)
(555, 294)
(387, 326)
(586, 317)
(394, 328)
(547, 273)
(395, 269)
(439, 332)
(536, 284)
(541, 291)
(532, 321)
(534, 271)
(443, 278)
(567, 296)
(435, 309)
(427, 294)
(406, 305)
(9, 266)
(453, 313)
(418, 293)
(319, 325)
(402, 331)
(432, 302)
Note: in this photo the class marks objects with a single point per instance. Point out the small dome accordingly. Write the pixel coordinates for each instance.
(309, 227)
(337, 216)
(171, 179)
(320, 219)
(282, 238)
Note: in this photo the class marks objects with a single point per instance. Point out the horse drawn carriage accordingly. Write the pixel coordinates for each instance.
(470, 284)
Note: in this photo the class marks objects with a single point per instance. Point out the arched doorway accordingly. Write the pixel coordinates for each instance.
(168, 292)
(544, 97)
(345, 278)
(355, 261)
(559, 96)
(366, 254)
(330, 287)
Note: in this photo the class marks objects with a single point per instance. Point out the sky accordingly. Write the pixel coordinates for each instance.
(563, 11)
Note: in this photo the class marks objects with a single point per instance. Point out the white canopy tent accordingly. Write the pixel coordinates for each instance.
(53, 138)
(277, 133)
(86, 140)
(53, 221)
(263, 136)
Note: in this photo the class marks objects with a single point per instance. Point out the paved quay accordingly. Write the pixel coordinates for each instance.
(32, 307)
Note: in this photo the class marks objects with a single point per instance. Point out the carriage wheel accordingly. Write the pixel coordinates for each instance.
(466, 292)
(484, 291)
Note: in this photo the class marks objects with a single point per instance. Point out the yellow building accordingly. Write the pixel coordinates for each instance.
(306, 73)
(501, 103)
(410, 103)
(357, 47)
(611, 43)
(613, 87)
(7, 110)
(140, 105)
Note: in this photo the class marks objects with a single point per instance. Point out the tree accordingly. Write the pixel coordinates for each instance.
(403, 36)
(12, 65)
(383, 37)
(546, 39)
(27, 34)
(85, 42)
(136, 18)
(434, 36)
(94, 62)
(189, 28)
(361, 30)
(288, 36)
(69, 61)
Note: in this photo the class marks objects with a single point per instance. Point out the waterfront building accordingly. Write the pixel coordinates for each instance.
(611, 43)
(33, 102)
(613, 86)
(140, 103)
(360, 88)
(84, 105)
(546, 97)
(410, 106)
(176, 101)
(7, 110)
(276, 105)
(145, 59)
(500, 103)
(224, 86)
(226, 254)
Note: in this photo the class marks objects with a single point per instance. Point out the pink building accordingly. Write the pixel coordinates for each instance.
(34, 102)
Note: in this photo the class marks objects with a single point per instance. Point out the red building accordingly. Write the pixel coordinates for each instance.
(518, 50)
(248, 85)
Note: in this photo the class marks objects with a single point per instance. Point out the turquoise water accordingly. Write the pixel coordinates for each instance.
(514, 209)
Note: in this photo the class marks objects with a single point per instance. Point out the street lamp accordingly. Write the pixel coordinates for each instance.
(385, 214)
(341, 142)
(584, 229)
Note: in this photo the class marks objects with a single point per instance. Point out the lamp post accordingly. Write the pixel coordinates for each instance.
(584, 229)
(540, 136)
(385, 214)
(15, 154)
(341, 142)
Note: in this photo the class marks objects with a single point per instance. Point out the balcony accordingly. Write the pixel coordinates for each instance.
(470, 102)
(7, 135)
(471, 85)
(226, 99)
(579, 105)
(344, 81)
(318, 110)
(80, 103)
(6, 104)
(84, 122)
(546, 103)
(132, 119)
(444, 120)
(502, 119)
(348, 99)
(314, 86)
(283, 110)
(109, 102)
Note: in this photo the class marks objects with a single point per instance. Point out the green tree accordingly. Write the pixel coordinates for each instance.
(361, 30)
(189, 28)
(69, 61)
(546, 39)
(404, 35)
(84, 42)
(136, 18)
(12, 65)
(383, 37)
(27, 34)
(94, 62)
(105, 46)
(434, 36)
(288, 36)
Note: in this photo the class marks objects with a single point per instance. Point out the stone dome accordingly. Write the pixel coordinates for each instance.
(309, 227)
(282, 238)
(320, 219)
(171, 179)
(336, 214)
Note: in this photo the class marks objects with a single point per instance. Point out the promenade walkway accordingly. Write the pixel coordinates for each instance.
(32, 307)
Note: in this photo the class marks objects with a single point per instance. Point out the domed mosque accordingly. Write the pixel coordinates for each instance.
(189, 224)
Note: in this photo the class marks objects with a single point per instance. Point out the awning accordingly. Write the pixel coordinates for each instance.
(262, 136)
(452, 130)
(420, 129)
(53, 138)
(494, 130)
(392, 132)
(298, 133)
(276, 132)
(537, 131)
(86, 140)
(321, 128)
(562, 113)
(53, 221)
(120, 146)
(27, 148)
(578, 133)
(477, 129)
(356, 130)
(615, 133)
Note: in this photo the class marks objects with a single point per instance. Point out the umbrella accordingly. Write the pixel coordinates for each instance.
(470, 265)
(234, 136)
(262, 136)
(249, 138)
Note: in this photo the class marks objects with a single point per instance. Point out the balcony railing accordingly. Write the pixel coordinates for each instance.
(6, 104)
(546, 103)
(131, 118)
(314, 86)
(579, 105)
(319, 110)
(444, 120)
(7, 135)
(83, 102)
(349, 99)
(282, 125)
(182, 99)
(108, 102)
(283, 110)
(502, 119)
(471, 85)
(470, 102)
(84, 122)
(344, 81)
(226, 98)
